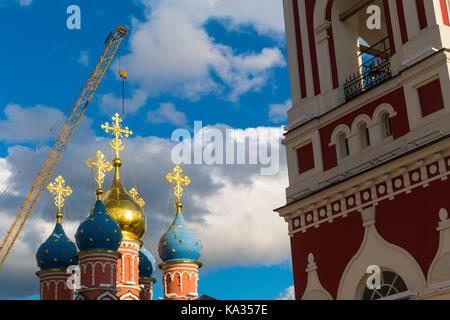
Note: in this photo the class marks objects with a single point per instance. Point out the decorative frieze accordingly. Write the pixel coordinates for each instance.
(382, 187)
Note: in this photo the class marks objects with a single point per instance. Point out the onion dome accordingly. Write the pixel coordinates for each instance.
(147, 263)
(99, 231)
(57, 252)
(179, 242)
(124, 209)
(122, 206)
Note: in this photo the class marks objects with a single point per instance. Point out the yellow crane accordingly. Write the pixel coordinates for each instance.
(112, 44)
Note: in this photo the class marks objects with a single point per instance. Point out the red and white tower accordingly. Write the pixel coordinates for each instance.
(368, 147)
(57, 253)
(126, 209)
(128, 270)
(180, 249)
(98, 239)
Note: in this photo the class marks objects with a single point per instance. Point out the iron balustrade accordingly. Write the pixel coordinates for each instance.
(375, 69)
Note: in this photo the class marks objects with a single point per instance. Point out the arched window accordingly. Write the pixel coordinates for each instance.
(344, 149)
(390, 284)
(364, 135)
(386, 125)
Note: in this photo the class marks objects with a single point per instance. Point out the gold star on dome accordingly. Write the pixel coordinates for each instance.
(118, 133)
(136, 197)
(102, 166)
(176, 177)
(60, 191)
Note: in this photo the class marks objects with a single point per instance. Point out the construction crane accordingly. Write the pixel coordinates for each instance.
(112, 44)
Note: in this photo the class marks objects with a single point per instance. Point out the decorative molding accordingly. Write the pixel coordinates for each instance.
(439, 272)
(383, 186)
(107, 296)
(314, 289)
(375, 250)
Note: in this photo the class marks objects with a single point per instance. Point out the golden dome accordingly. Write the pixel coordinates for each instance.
(123, 209)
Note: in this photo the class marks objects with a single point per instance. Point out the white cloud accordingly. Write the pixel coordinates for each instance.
(5, 174)
(167, 113)
(278, 112)
(171, 51)
(266, 16)
(84, 58)
(24, 3)
(27, 124)
(288, 294)
(241, 228)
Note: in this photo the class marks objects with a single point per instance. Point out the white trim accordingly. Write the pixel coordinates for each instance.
(375, 250)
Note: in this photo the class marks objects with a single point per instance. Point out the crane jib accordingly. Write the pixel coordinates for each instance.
(61, 143)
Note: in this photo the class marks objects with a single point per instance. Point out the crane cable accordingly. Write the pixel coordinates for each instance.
(165, 213)
(188, 196)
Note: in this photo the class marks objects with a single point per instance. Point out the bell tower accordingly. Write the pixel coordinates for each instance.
(368, 131)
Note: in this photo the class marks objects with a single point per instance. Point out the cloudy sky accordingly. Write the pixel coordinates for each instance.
(221, 62)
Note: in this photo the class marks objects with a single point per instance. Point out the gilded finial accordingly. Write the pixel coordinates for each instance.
(118, 133)
(60, 191)
(176, 177)
(136, 197)
(101, 167)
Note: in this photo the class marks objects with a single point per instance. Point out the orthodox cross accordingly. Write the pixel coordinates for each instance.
(176, 177)
(136, 198)
(60, 191)
(101, 167)
(118, 132)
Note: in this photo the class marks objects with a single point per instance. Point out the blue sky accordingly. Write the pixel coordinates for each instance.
(222, 63)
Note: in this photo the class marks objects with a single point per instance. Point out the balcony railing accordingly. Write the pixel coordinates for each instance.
(375, 69)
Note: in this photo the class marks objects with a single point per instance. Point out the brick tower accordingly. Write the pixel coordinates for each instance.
(179, 249)
(98, 238)
(126, 209)
(147, 266)
(368, 148)
(57, 253)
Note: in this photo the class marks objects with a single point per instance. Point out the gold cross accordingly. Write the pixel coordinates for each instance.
(102, 166)
(179, 180)
(60, 191)
(118, 133)
(136, 198)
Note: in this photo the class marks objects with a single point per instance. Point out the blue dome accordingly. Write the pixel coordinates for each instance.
(99, 231)
(179, 242)
(57, 252)
(147, 263)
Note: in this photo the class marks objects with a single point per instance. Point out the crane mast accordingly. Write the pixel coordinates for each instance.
(42, 179)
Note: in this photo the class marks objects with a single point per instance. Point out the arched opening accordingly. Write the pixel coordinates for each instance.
(391, 283)
(344, 150)
(361, 41)
(386, 125)
(364, 135)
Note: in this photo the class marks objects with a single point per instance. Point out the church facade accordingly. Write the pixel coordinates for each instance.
(368, 148)
(113, 264)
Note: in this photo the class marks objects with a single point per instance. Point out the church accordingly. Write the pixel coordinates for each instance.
(368, 149)
(113, 263)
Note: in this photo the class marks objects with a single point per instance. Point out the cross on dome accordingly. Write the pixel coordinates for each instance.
(176, 177)
(61, 192)
(101, 167)
(118, 132)
(136, 197)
